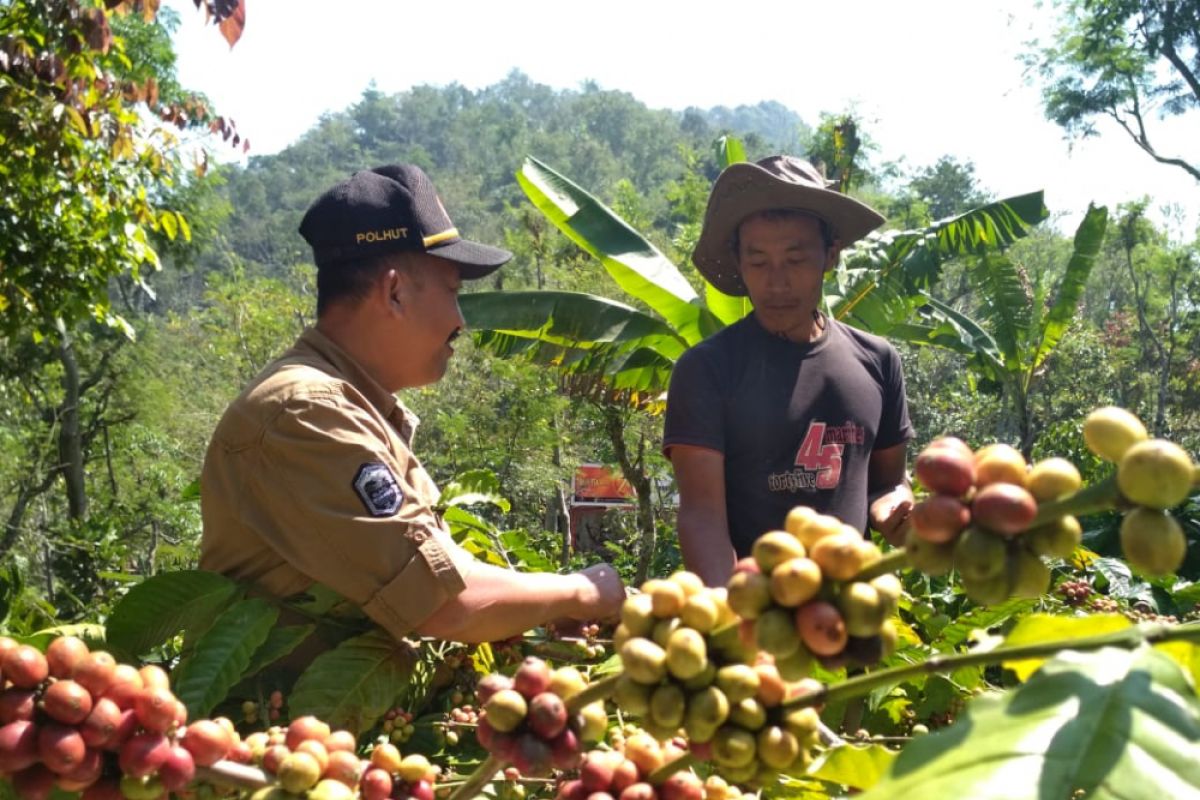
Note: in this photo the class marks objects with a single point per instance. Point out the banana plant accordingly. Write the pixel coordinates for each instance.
(1019, 327)
(616, 353)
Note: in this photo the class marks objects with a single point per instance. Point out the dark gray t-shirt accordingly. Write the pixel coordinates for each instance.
(796, 422)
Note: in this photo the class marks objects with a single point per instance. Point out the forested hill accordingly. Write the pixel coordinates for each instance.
(472, 142)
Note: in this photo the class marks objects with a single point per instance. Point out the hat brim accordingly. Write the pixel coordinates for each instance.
(474, 260)
(744, 189)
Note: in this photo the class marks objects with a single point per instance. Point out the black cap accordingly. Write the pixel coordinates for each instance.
(393, 208)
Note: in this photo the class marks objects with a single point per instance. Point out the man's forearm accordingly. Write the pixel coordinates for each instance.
(707, 551)
(498, 603)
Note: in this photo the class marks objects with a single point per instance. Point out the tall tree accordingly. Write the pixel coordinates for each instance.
(948, 187)
(88, 136)
(1160, 275)
(1129, 60)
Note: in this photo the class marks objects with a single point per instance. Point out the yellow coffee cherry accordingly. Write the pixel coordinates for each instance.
(637, 614)
(929, 557)
(1110, 431)
(775, 547)
(666, 597)
(644, 661)
(795, 581)
(1053, 478)
(979, 556)
(1028, 575)
(688, 581)
(701, 612)
(1056, 539)
(1153, 541)
(999, 463)
(1155, 473)
(810, 527)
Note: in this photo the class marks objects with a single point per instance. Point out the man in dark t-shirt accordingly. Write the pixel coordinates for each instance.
(786, 407)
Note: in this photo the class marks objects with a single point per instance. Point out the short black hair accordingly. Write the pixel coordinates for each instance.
(776, 214)
(352, 280)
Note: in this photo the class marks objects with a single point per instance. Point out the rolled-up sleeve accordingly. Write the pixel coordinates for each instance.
(333, 499)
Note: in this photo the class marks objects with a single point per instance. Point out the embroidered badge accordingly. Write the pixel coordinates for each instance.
(378, 489)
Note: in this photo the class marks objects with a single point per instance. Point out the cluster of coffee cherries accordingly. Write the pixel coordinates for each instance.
(762, 736)
(800, 601)
(389, 775)
(625, 775)
(978, 518)
(1153, 476)
(1075, 593)
(461, 716)
(307, 756)
(74, 719)
(398, 725)
(686, 667)
(525, 720)
(678, 643)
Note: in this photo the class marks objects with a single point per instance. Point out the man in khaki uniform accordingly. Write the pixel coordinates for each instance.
(310, 475)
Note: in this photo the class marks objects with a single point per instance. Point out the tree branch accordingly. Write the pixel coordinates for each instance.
(26, 493)
(1181, 66)
(1126, 638)
(1144, 143)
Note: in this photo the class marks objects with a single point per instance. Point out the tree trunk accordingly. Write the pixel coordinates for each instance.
(1164, 369)
(1025, 424)
(560, 513)
(635, 473)
(562, 521)
(152, 558)
(1010, 422)
(112, 476)
(1140, 295)
(48, 571)
(70, 433)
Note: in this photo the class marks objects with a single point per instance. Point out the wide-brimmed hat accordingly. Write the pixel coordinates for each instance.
(776, 182)
(393, 208)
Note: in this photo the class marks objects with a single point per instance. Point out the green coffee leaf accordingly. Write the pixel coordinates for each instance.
(222, 655)
(1110, 725)
(1038, 628)
(853, 765)
(280, 642)
(161, 606)
(355, 684)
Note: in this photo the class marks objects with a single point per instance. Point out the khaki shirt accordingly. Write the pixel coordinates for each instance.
(310, 477)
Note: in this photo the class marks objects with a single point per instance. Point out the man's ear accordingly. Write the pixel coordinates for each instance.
(832, 254)
(389, 290)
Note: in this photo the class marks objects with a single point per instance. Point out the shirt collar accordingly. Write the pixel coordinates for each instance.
(312, 340)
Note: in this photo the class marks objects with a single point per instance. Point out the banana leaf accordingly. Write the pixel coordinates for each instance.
(884, 278)
(633, 262)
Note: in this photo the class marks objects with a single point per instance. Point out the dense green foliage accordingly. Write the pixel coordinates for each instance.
(227, 303)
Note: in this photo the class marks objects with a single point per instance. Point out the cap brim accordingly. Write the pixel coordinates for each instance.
(474, 260)
(745, 189)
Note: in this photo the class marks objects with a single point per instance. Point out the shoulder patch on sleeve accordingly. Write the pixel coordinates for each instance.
(378, 489)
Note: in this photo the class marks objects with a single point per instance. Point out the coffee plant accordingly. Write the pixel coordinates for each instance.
(710, 694)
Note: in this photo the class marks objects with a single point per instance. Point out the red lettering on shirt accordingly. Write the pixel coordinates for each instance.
(815, 455)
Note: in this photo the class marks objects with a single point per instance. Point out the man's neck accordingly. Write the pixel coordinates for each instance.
(352, 333)
(803, 329)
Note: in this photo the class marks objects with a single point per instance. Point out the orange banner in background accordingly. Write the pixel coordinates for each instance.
(596, 484)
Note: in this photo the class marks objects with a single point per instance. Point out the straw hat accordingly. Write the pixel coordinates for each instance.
(776, 182)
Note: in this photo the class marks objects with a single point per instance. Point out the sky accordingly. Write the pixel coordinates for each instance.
(927, 77)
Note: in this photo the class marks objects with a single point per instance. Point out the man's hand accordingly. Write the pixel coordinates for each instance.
(889, 514)
(600, 595)
(703, 527)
